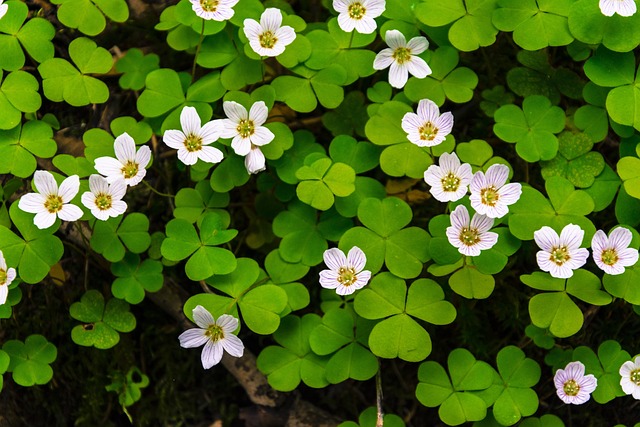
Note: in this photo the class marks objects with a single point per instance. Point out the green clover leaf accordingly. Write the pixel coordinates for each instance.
(88, 16)
(110, 237)
(20, 146)
(99, 143)
(193, 203)
(605, 366)
(135, 67)
(321, 180)
(29, 364)
(134, 278)
(369, 417)
(18, 94)
(575, 160)
(101, 323)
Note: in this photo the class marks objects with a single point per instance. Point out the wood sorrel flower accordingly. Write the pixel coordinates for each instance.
(572, 385)
(449, 181)
(489, 194)
(215, 335)
(621, 7)
(217, 10)
(193, 141)
(345, 274)
(50, 201)
(560, 255)
(630, 377)
(269, 37)
(401, 57)
(129, 164)
(358, 14)
(470, 236)
(428, 127)
(105, 200)
(612, 254)
(7, 275)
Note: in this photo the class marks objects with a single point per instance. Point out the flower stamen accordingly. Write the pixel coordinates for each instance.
(402, 55)
(53, 203)
(356, 11)
(634, 376)
(130, 169)
(347, 276)
(3, 277)
(489, 196)
(245, 128)
(571, 388)
(428, 132)
(193, 143)
(209, 5)
(267, 40)
(469, 236)
(104, 201)
(214, 333)
(559, 255)
(609, 256)
(450, 182)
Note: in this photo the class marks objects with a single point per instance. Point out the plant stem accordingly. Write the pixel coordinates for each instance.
(156, 191)
(380, 417)
(195, 58)
(351, 39)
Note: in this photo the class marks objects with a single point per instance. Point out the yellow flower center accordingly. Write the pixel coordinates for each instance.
(130, 169)
(267, 40)
(402, 55)
(103, 201)
(3, 277)
(347, 276)
(209, 5)
(53, 203)
(609, 257)
(571, 388)
(214, 333)
(193, 143)
(559, 255)
(245, 128)
(428, 132)
(489, 196)
(450, 182)
(356, 11)
(634, 376)
(469, 236)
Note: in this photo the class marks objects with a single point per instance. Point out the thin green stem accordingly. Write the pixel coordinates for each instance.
(351, 38)
(156, 191)
(195, 58)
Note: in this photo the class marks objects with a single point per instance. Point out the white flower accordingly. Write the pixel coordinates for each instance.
(269, 37)
(630, 381)
(105, 200)
(218, 10)
(449, 181)
(346, 274)
(621, 7)
(3, 11)
(255, 161)
(358, 14)
(612, 254)
(401, 56)
(245, 128)
(470, 236)
(427, 128)
(50, 201)
(128, 164)
(560, 255)
(572, 385)
(6, 277)
(489, 194)
(216, 335)
(192, 142)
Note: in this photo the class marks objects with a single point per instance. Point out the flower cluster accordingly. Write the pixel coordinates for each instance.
(104, 199)
(574, 387)
(562, 254)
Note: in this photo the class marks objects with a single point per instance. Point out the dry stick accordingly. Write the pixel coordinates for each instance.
(380, 419)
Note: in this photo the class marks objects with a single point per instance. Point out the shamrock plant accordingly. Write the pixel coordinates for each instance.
(429, 207)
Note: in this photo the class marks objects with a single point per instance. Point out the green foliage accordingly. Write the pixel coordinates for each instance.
(101, 323)
(205, 259)
(128, 386)
(575, 160)
(368, 418)
(88, 16)
(605, 367)
(111, 237)
(590, 26)
(20, 146)
(18, 94)
(30, 360)
(134, 278)
(63, 81)
(322, 179)
(135, 67)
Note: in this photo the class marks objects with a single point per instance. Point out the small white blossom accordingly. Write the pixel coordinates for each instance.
(630, 378)
(193, 141)
(215, 335)
(572, 385)
(129, 164)
(470, 236)
(489, 194)
(269, 37)
(217, 10)
(247, 132)
(7, 275)
(345, 274)
(105, 200)
(428, 127)
(3, 8)
(50, 201)
(621, 7)
(612, 254)
(401, 57)
(449, 181)
(358, 14)
(560, 255)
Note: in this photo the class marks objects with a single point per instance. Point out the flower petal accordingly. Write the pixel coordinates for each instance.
(210, 154)
(69, 188)
(228, 323)
(190, 121)
(125, 148)
(356, 259)
(334, 258)
(233, 345)
(383, 59)
(44, 219)
(497, 175)
(193, 337)
(254, 162)
(202, 317)
(418, 45)
(70, 212)
(235, 112)
(32, 203)
(398, 75)
(45, 183)
(418, 67)
(262, 136)
(571, 236)
(546, 238)
(211, 354)
(395, 39)
(271, 19)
